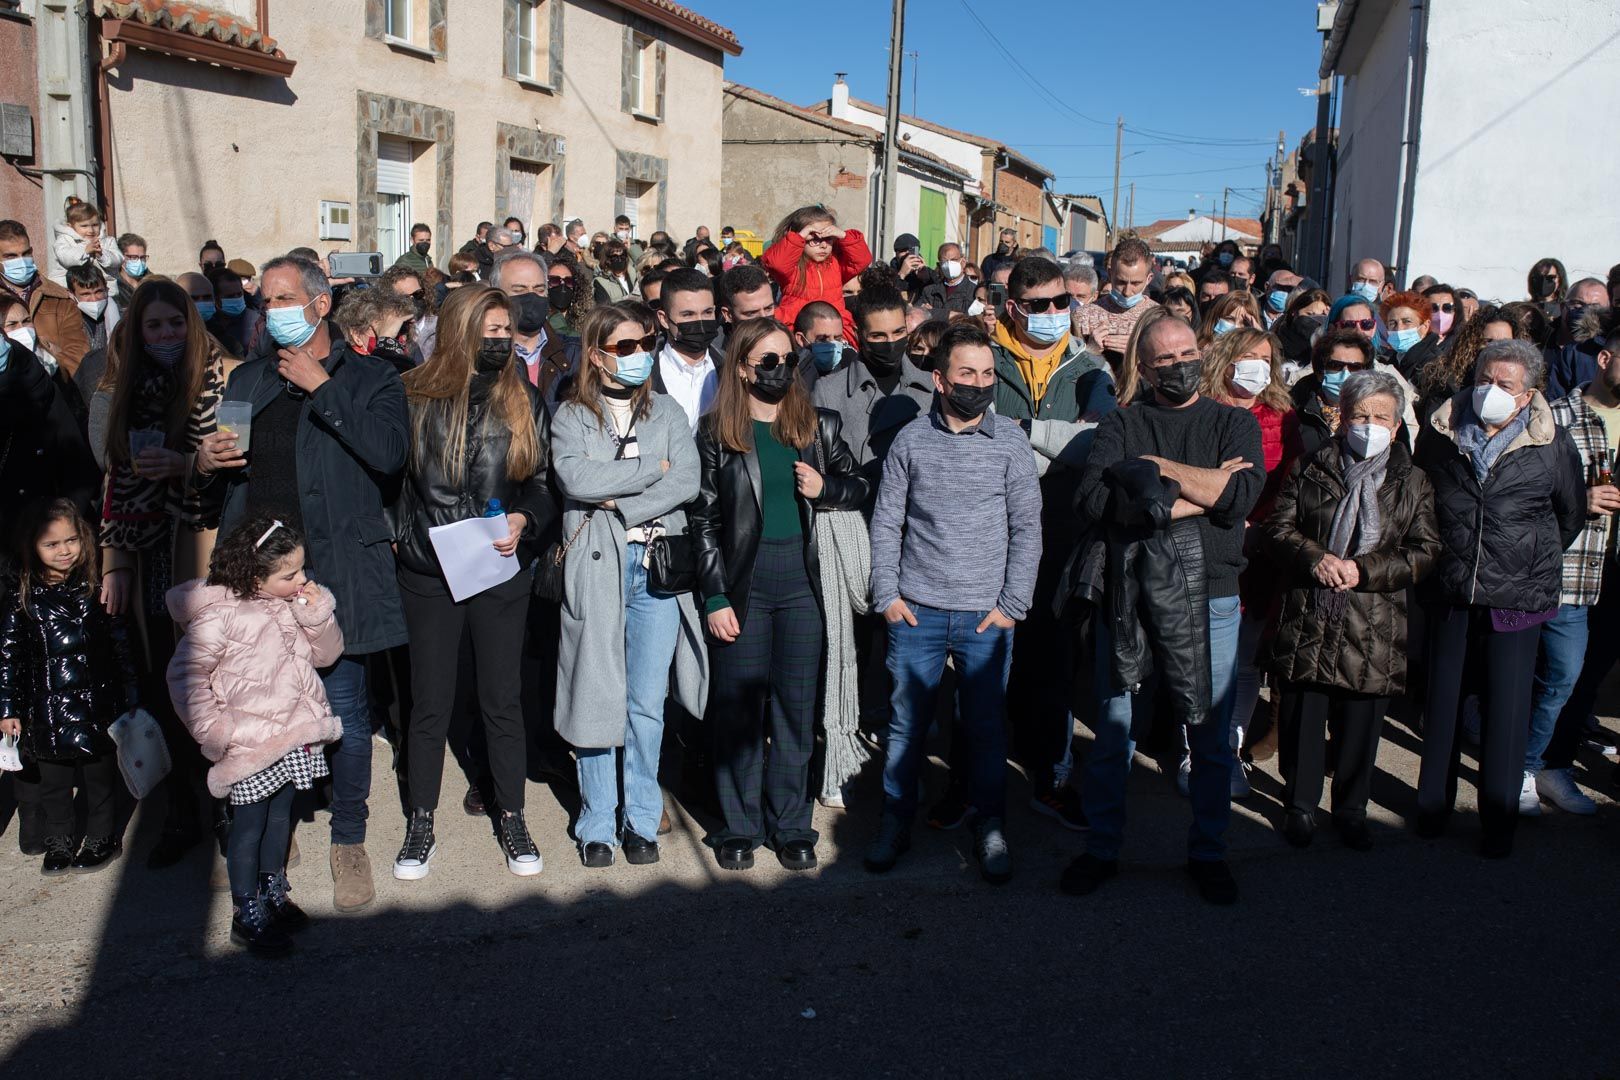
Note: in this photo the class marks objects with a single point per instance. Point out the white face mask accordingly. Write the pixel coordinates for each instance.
(1494, 405)
(623, 234)
(25, 336)
(93, 308)
(976, 308)
(1367, 440)
(1249, 377)
(951, 268)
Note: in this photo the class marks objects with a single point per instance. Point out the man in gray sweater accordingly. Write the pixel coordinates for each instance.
(956, 540)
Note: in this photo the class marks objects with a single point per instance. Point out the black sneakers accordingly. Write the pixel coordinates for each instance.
(412, 862)
(96, 853)
(58, 855)
(1086, 874)
(1214, 880)
(522, 857)
(1062, 804)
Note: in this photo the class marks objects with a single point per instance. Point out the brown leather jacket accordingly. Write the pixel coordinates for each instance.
(1365, 650)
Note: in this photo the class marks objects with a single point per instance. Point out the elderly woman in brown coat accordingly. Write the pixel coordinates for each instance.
(1353, 527)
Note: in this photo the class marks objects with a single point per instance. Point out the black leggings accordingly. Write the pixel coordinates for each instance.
(260, 833)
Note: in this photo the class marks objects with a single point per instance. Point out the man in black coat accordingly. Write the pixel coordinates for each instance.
(329, 442)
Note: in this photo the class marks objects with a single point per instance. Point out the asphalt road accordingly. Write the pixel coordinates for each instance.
(1417, 959)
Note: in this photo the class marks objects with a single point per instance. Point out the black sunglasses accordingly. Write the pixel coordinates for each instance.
(631, 346)
(1445, 307)
(1039, 304)
(1341, 365)
(769, 361)
(1351, 324)
(558, 282)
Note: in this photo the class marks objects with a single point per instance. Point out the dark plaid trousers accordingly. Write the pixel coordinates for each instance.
(777, 655)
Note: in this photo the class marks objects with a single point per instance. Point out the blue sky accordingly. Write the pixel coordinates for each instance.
(1225, 74)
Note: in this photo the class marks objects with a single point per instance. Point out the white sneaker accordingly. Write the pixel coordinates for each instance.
(1529, 800)
(1184, 774)
(1240, 780)
(1558, 787)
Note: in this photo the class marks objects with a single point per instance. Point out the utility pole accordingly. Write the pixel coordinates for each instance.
(1119, 142)
(891, 128)
(1224, 193)
(1130, 208)
(1277, 185)
(915, 111)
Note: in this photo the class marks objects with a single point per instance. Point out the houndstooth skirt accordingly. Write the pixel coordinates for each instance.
(301, 768)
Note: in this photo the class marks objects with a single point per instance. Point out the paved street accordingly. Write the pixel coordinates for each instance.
(1418, 959)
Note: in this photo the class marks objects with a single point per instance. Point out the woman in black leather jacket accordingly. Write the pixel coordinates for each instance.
(770, 461)
(479, 433)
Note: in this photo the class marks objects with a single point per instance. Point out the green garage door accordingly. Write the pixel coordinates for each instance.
(931, 223)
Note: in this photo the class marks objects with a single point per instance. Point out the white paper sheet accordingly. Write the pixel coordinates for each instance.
(467, 556)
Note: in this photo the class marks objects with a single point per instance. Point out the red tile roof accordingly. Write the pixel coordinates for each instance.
(198, 20)
(708, 31)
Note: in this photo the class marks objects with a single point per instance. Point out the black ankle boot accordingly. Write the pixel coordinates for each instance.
(273, 888)
(30, 829)
(253, 925)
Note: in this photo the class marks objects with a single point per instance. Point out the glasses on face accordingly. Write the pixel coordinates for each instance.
(1037, 305)
(769, 361)
(558, 282)
(1448, 308)
(631, 346)
(1344, 365)
(1355, 324)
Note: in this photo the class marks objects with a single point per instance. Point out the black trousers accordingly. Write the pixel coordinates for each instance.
(1466, 655)
(777, 655)
(1037, 692)
(1357, 721)
(495, 619)
(98, 777)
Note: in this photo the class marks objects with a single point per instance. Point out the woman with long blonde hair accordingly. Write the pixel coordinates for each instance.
(770, 461)
(479, 448)
(626, 466)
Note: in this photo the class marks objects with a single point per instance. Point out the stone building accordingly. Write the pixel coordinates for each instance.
(268, 124)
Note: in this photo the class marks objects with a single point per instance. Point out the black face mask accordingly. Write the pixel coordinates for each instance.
(696, 335)
(423, 247)
(1295, 333)
(617, 263)
(1543, 286)
(969, 402)
(493, 355)
(1178, 383)
(772, 386)
(532, 309)
(883, 357)
(561, 297)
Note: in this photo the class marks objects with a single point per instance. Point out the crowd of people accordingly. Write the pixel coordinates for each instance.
(835, 502)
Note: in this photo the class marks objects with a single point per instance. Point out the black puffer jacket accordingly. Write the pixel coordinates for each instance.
(65, 670)
(431, 499)
(726, 518)
(1363, 651)
(1503, 542)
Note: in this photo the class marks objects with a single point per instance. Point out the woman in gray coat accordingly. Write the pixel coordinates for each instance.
(624, 459)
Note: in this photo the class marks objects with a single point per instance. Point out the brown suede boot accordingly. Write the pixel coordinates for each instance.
(352, 887)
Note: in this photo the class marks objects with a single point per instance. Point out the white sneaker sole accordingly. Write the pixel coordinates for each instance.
(418, 871)
(1529, 809)
(525, 869)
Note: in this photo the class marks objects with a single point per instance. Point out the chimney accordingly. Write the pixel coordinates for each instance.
(839, 108)
(1192, 214)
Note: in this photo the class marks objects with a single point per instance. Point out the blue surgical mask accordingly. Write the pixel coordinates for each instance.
(633, 369)
(19, 271)
(1047, 327)
(206, 309)
(135, 267)
(5, 352)
(826, 354)
(1277, 300)
(1366, 290)
(165, 353)
(1224, 327)
(288, 326)
(1125, 301)
(1332, 383)
(1402, 340)
(234, 305)
(1225, 258)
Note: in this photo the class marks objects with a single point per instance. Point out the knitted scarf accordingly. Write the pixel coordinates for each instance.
(1357, 523)
(846, 584)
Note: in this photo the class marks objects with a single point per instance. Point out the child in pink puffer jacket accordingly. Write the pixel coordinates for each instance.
(244, 683)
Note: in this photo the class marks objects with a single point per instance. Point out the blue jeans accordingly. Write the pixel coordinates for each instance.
(652, 624)
(1563, 651)
(1209, 743)
(916, 662)
(350, 758)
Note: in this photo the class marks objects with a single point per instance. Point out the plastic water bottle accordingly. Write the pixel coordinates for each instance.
(493, 508)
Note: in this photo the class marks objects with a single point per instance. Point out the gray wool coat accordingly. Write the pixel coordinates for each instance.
(591, 682)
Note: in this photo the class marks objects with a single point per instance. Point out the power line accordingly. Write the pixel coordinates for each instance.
(1147, 176)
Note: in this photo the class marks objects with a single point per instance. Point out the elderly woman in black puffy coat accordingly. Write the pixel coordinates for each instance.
(1509, 498)
(1352, 529)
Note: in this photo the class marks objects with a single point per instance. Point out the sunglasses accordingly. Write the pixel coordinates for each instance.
(1445, 307)
(769, 361)
(1340, 365)
(631, 346)
(1356, 324)
(558, 282)
(1040, 304)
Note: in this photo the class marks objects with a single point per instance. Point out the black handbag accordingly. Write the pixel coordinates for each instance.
(671, 564)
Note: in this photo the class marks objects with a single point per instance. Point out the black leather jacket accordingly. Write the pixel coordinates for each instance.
(430, 499)
(725, 519)
(66, 671)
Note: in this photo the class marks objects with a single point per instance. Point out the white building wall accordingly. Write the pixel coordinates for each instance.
(969, 157)
(1518, 161)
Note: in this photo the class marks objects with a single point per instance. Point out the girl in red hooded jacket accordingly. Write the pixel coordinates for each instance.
(810, 258)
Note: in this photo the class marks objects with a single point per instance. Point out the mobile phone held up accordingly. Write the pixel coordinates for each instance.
(355, 264)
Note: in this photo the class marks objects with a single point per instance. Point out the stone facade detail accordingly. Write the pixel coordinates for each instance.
(380, 115)
(514, 143)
